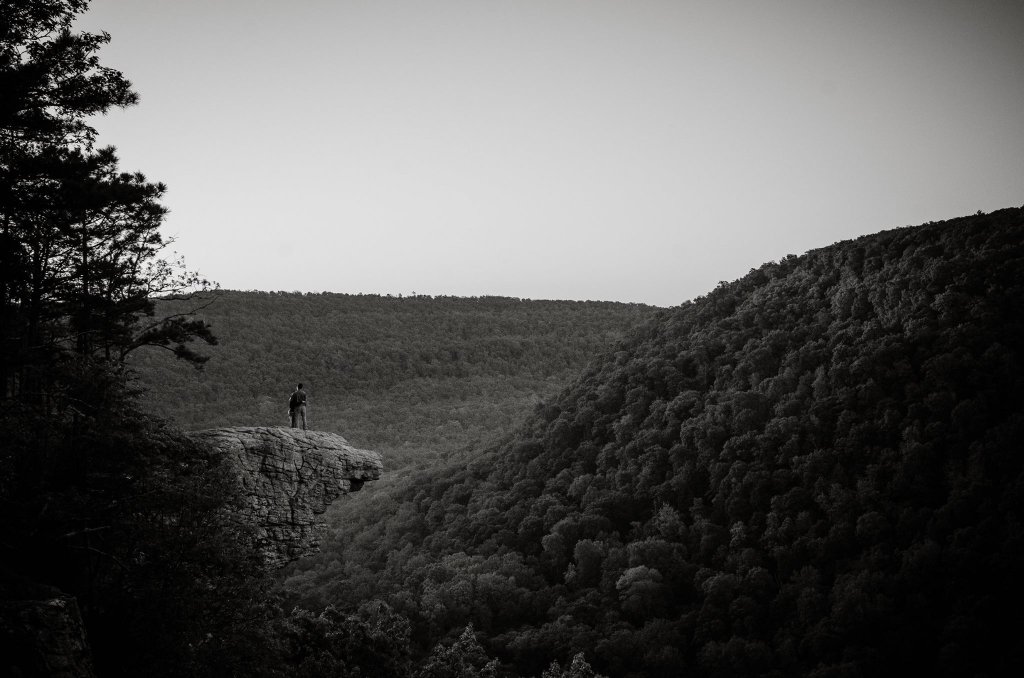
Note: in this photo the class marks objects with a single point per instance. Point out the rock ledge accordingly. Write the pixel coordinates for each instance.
(287, 479)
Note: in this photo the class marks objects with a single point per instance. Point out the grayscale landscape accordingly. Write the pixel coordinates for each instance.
(476, 339)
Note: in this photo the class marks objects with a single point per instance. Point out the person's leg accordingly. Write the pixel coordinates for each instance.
(293, 415)
(302, 411)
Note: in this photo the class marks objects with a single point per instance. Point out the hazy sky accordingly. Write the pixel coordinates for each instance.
(631, 150)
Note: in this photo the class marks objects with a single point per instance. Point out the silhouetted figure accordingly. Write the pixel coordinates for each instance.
(297, 407)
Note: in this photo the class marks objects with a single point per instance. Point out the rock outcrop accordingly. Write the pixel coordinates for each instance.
(287, 479)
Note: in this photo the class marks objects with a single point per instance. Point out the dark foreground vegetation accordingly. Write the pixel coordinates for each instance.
(815, 470)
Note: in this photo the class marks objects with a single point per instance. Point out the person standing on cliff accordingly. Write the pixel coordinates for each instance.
(297, 407)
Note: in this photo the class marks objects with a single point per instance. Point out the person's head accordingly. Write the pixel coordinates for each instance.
(300, 386)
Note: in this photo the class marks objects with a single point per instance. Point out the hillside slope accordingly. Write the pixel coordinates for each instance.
(414, 378)
(814, 470)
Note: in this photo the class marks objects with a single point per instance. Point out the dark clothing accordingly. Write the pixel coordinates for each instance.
(297, 408)
(298, 413)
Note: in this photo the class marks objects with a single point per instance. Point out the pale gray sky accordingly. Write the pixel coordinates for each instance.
(634, 150)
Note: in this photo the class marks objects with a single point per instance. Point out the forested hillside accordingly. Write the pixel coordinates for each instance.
(411, 377)
(814, 470)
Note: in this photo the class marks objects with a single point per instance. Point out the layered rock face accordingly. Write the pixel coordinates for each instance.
(287, 479)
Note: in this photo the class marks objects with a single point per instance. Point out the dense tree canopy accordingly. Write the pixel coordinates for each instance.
(813, 470)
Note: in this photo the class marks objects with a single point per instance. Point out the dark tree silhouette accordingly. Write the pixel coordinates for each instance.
(81, 246)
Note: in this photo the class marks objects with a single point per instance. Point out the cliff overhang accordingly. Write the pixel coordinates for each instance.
(286, 479)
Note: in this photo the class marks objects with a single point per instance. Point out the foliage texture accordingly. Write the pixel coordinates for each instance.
(814, 470)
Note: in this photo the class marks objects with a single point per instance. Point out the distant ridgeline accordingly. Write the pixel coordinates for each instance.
(814, 470)
(403, 375)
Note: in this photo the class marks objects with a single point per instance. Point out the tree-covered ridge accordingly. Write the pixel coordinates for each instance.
(409, 376)
(814, 470)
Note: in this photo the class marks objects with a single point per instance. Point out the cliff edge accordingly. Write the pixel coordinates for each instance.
(287, 479)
